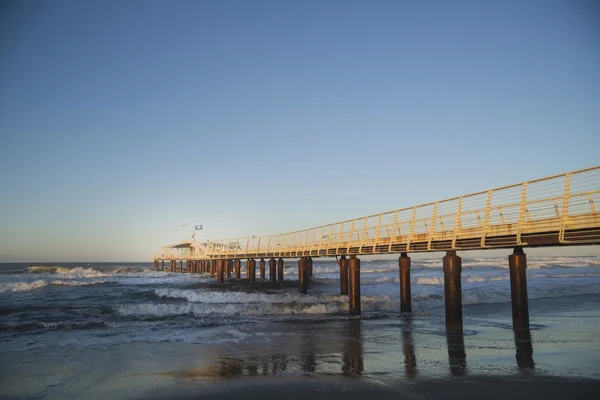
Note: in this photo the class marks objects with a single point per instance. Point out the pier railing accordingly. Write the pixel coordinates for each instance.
(560, 209)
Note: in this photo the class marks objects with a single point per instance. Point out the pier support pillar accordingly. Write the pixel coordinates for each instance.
(262, 268)
(172, 266)
(162, 265)
(237, 265)
(517, 265)
(273, 272)
(354, 275)
(280, 270)
(453, 293)
(220, 271)
(343, 276)
(156, 265)
(251, 269)
(180, 266)
(310, 267)
(227, 268)
(302, 275)
(405, 296)
(213, 267)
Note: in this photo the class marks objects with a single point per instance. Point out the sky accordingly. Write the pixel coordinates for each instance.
(123, 121)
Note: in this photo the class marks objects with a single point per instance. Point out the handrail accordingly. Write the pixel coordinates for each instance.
(558, 203)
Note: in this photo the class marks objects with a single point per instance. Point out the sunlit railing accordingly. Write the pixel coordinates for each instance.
(506, 216)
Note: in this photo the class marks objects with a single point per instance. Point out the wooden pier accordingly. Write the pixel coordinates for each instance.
(559, 210)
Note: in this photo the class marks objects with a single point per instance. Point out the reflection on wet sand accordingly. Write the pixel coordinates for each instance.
(353, 364)
(304, 359)
(410, 361)
(309, 357)
(456, 354)
(524, 353)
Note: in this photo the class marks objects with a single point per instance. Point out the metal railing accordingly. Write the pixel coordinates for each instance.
(494, 218)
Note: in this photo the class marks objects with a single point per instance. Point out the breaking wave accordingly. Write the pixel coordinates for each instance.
(26, 286)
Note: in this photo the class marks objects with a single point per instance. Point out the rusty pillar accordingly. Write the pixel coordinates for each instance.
(453, 293)
(172, 266)
(213, 267)
(162, 265)
(343, 276)
(156, 265)
(228, 268)
(251, 269)
(262, 268)
(220, 271)
(180, 266)
(517, 265)
(302, 275)
(237, 265)
(354, 283)
(310, 267)
(405, 297)
(280, 270)
(273, 272)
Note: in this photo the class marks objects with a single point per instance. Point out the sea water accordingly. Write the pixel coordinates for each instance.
(97, 330)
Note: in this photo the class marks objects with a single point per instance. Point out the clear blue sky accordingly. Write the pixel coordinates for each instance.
(121, 121)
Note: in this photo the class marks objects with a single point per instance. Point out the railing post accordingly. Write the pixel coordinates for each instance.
(457, 222)
(433, 221)
(486, 218)
(565, 209)
(522, 208)
(411, 231)
(393, 235)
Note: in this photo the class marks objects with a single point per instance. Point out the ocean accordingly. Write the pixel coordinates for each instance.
(123, 330)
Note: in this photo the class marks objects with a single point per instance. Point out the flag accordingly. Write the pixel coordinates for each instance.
(198, 227)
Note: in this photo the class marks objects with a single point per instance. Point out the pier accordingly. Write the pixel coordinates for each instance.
(559, 210)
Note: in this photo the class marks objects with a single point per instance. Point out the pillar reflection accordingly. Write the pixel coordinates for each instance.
(410, 360)
(457, 358)
(524, 350)
(309, 357)
(353, 365)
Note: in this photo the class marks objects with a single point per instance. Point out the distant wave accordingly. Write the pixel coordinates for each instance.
(26, 286)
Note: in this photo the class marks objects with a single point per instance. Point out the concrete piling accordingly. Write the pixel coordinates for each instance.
(220, 271)
(273, 272)
(237, 265)
(262, 268)
(453, 293)
(228, 268)
(517, 265)
(343, 275)
(251, 267)
(405, 295)
(302, 275)
(354, 283)
(280, 270)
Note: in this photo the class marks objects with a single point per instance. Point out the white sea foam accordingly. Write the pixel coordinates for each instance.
(22, 286)
(38, 284)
